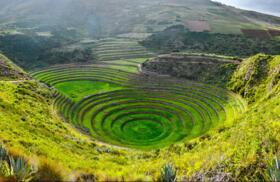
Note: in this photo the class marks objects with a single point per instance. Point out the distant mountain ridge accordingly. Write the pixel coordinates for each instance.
(113, 17)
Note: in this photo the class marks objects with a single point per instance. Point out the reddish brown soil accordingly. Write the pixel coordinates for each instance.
(263, 34)
(198, 26)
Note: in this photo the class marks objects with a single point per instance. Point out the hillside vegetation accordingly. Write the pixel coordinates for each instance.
(31, 51)
(205, 68)
(179, 39)
(242, 149)
(257, 77)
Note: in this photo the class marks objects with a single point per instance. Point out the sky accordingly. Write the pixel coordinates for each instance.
(265, 6)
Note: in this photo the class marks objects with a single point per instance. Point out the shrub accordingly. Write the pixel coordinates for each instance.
(20, 169)
(14, 168)
(3, 153)
(86, 178)
(168, 173)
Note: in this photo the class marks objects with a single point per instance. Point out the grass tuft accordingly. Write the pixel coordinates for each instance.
(274, 171)
(48, 171)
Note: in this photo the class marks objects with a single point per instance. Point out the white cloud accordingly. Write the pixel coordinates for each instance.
(265, 6)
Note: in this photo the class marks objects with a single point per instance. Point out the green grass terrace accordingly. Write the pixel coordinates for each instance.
(124, 108)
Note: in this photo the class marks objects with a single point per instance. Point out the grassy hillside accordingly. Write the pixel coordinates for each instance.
(240, 150)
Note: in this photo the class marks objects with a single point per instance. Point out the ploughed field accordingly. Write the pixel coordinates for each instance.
(129, 109)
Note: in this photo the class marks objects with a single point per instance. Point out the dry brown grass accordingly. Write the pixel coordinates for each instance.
(49, 171)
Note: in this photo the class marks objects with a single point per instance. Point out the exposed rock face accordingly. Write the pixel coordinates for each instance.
(199, 68)
(9, 71)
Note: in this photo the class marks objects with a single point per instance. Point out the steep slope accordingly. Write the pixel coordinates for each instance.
(204, 68)
(257, 77)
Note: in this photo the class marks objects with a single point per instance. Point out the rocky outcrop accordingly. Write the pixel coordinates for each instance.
(194, 67)
(9, 71)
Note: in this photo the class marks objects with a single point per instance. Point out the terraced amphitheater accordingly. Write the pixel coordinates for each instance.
(135, 110)
(119, 48)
